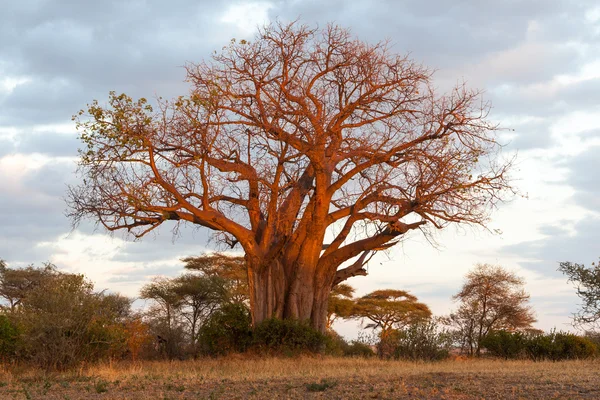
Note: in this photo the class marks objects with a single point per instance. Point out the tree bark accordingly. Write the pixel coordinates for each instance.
(299, 292)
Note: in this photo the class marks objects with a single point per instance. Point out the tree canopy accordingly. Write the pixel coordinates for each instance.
(341, 304)
(390, 309)
(491, 298)
(299, 136)
(587, 284)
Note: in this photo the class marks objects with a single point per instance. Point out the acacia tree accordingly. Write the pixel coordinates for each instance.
(17, 283)
(200, 297)
(231, 269)
(308, 148)
(340, 304)
(587, 284)
(390, 309)
(490, 299)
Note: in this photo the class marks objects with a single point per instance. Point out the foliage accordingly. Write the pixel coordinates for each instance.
(563, 346)
(181, 306)
(231, 269)
(593, 336)
(163, 316)
(555, 346)
(16, 283)
(63, 321)
(587, 284)
(424, 341)
(199, 297)
(507, 345)
(288, 337)
(9, 335)
(358, 349)
(227, 331)
(390, 309)
(279, 140)
(490, 299)
(337, 346)
(340, 304)
(137, 335)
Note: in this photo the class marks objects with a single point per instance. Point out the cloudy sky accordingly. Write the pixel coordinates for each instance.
(537, 60)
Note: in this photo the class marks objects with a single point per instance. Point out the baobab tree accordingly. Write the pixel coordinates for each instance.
(308, 148)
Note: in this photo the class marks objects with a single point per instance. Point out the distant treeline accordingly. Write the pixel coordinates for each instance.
(56, 320)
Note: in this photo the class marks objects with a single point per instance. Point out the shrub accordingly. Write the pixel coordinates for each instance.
(568, 346)
(558, 346)
(594, 337)
(421, 341)
(505, 344)
(226, 331)
(337, 346)
(358, 349)
(9, 335)
(539, 347)
(288, 337)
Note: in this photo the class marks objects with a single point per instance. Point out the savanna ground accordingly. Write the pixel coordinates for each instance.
(309, 377)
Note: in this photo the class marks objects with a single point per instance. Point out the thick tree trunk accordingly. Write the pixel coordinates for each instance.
(299, 292)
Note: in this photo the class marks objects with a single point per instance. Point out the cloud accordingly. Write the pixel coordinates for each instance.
(559, 244)
(584, 177)
(32, 209)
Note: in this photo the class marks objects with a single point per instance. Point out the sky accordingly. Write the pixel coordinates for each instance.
(538, 62)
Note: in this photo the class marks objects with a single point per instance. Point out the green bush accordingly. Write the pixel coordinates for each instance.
(568, 346)
(288, 337)
(337, 346)
(558, 346)
(539, 347)
(9, 335)
(227, 331)
(421, 341)
(505, 344)
(358, 349)
(594, 337)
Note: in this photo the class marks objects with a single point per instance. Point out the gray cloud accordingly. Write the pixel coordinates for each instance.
(33, 212)
(49, 143)
(441, 33)
(584, 177)
(531, 135)
(73, 52)
(559, 245)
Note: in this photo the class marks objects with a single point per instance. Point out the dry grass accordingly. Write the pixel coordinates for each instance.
(306, 377)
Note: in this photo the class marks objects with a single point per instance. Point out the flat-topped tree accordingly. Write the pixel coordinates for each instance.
(390, 309)
(301, 135)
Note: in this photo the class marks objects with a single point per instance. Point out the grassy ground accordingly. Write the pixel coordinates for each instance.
(300, 378)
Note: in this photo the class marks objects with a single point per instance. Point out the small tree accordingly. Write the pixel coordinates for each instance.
(16, 283)
(231, 269)
(490, 299)
(587, 284)
(137, 334)
(390, 309)
(341, 304)
(199, 297)
(164, 315)
(63, 321)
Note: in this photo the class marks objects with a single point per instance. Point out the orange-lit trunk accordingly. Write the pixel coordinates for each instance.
(299, 292)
